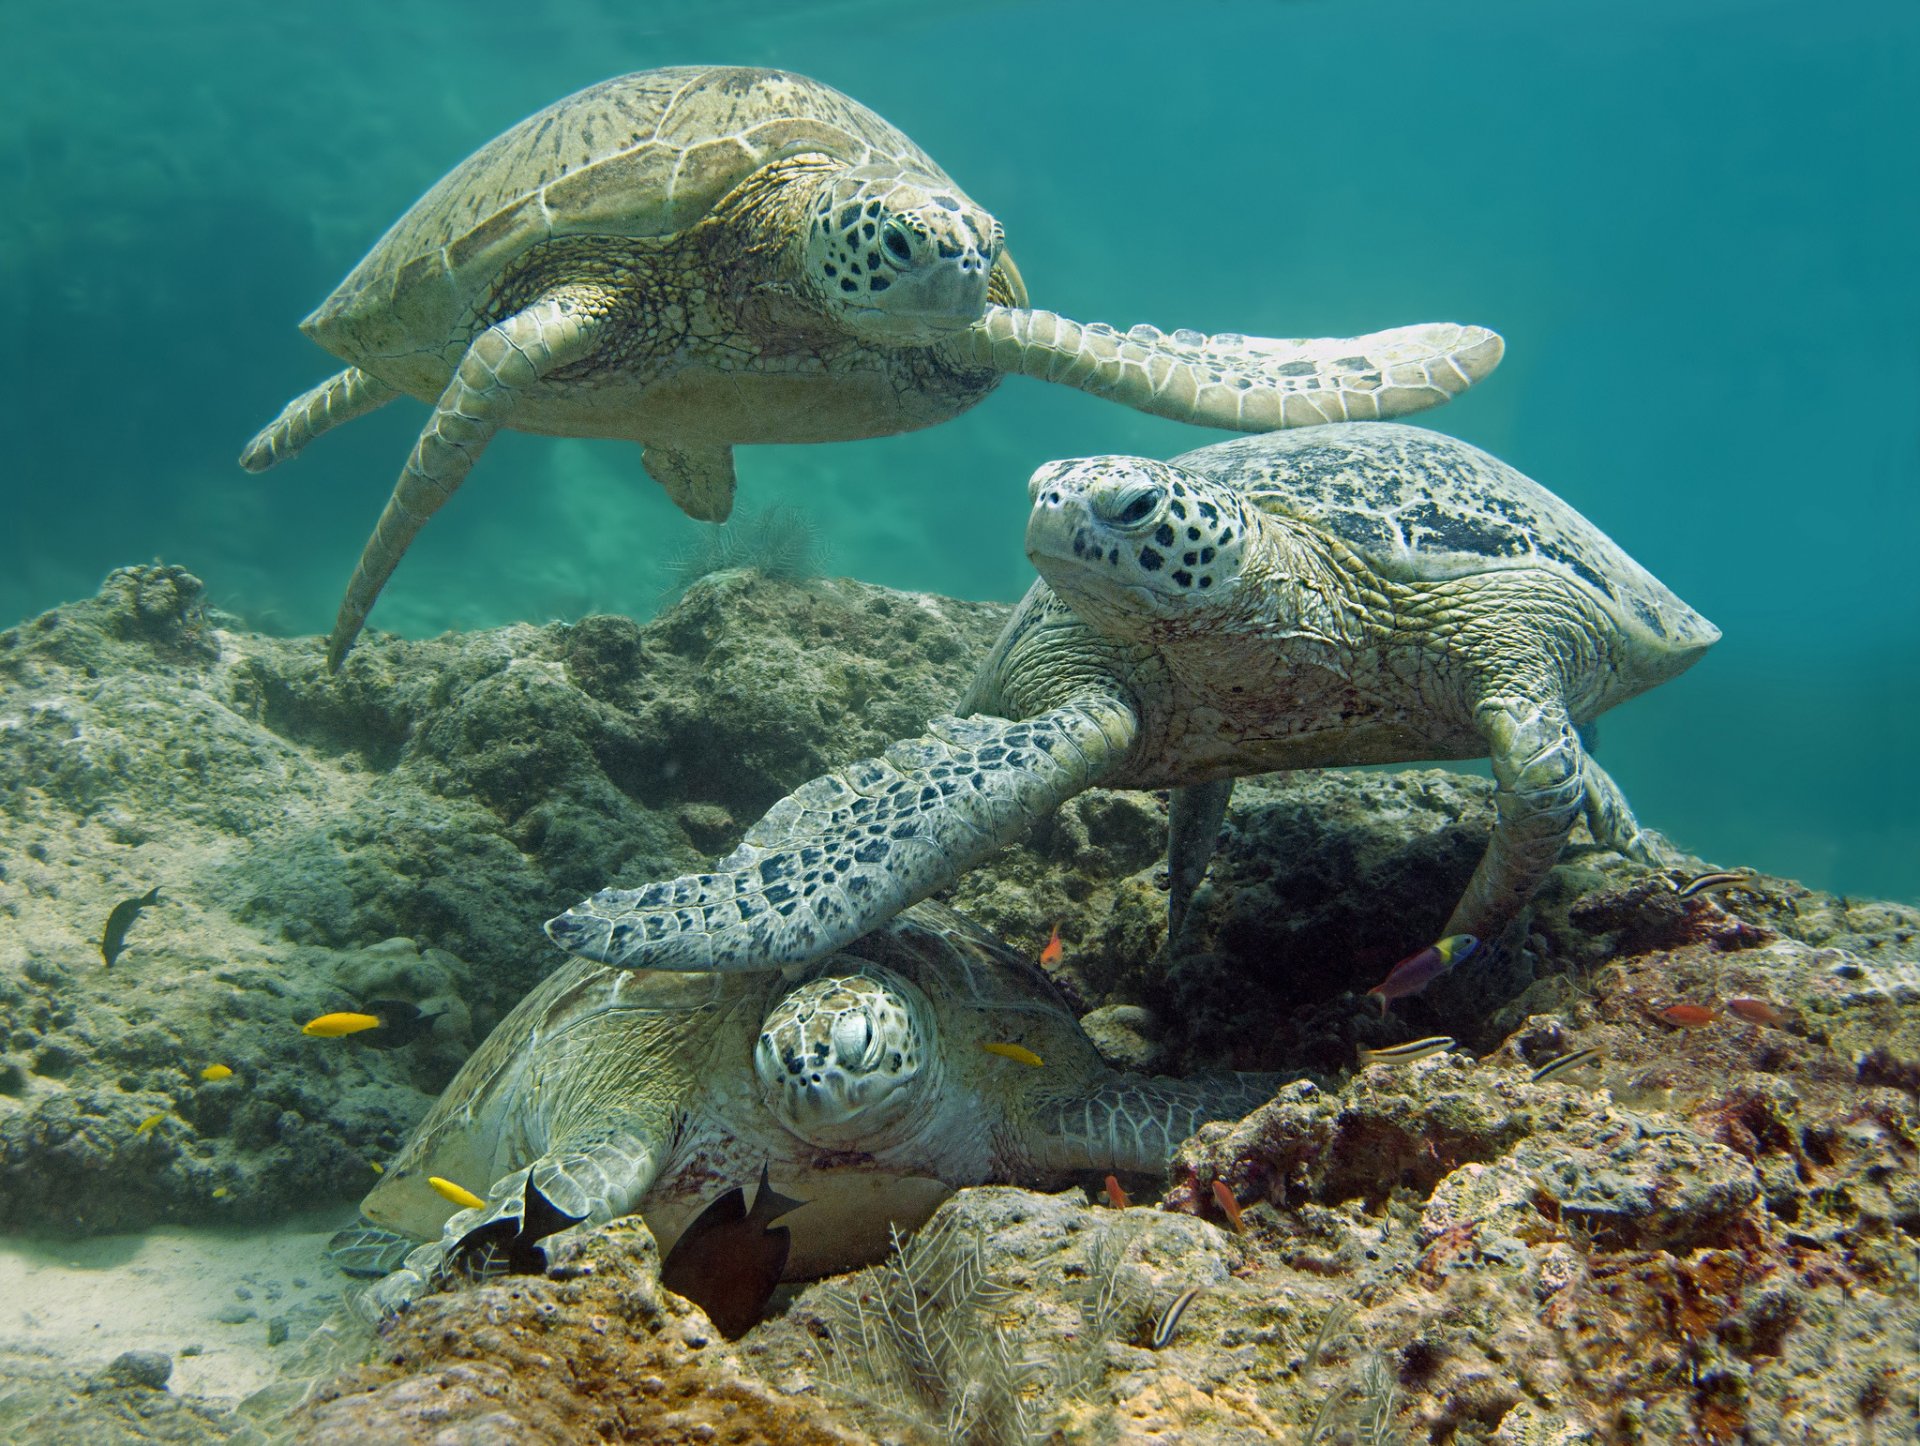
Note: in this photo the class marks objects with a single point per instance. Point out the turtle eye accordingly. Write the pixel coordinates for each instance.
(1136, 510)
(894, 237)
(1127, 506)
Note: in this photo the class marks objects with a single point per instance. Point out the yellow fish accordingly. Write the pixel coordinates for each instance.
(332, 1026)
(1019, 1053)
(455, 1193)
(378, 1168)
(216, 1072)
(222, 1193)
(146, 1126)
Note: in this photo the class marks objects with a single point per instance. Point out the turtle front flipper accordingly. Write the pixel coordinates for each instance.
(589, 1182)
(851, 849)
(1136, 1122)
(510, 356)
(1540, 781)
(1241, 383)
(364, 1249)
(339, 399)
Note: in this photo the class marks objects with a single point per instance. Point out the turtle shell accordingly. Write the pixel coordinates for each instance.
(1421, 506)
(643, 155)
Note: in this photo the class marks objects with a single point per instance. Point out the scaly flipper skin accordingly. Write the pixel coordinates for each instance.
(340, 398)
(591, 1181)
(854, 847)
(504, 360)
(1134, 1123)
(1241, 383)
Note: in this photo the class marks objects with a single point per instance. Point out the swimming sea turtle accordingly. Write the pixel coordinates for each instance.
(700, 257)
(861, 1087)
(1348, 594)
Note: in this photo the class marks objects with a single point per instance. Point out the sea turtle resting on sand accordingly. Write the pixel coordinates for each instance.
(863, 1088)
(1349, 594)
(701, 257)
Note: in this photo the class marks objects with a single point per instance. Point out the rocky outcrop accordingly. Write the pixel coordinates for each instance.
(1706, 1234)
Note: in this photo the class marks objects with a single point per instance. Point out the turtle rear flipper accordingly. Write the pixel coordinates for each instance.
(850, 849)
(1133, 1123)
(339, 399)
(366, 1251)
(1241, 383)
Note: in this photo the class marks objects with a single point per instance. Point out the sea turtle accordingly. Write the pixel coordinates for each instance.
(1343, 595)
(861, 1086)
(704, 256)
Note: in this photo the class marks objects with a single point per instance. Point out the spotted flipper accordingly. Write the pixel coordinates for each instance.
(851, 849)
(363, 1249)
(1241, 383)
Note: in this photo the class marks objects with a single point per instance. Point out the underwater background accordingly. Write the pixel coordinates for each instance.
(1696, 225)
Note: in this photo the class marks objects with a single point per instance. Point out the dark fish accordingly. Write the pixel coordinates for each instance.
(508, 1246)
(401, 1023)
(1168, 1321)
(730, 1259)
(1417, 971)
(113, 941)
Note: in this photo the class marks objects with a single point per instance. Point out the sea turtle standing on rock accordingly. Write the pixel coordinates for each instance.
(925, 1057)
(1345, 595)
(702, 257)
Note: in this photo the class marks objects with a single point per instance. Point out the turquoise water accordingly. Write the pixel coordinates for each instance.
(1695, 223)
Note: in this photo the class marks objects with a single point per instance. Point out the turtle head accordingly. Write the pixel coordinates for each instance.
(898, 258)
(1136, 542)
(845, 1059)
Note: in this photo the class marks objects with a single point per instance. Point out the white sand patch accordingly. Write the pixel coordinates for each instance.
(79, 1303)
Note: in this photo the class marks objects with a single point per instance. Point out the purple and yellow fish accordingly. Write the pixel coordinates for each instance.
(1417, 971)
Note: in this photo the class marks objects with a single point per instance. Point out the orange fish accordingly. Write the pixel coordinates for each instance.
(1115, 1195)
(1051, 954)
(1756, 1011)
(1230, 1205)
(1689, 1016)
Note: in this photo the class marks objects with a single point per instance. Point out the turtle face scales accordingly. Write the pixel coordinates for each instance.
(897, 258)
(844, 1059)
(1135, 542)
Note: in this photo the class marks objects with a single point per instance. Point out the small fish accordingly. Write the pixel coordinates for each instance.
(510, 1245)
(401, 1022)
(460, 1195)
(1708, 883)
(1232, 1206)
(1019, 1053)
(216, 1073)
(149, 1124)
(222, 1193)
(377, 1167)
(1168, 1321)
(1689, 1016)
(730, 1259)
(1407, 1053)
(1566, 1063)
(1755, 1011)
(113, 941)
(332, 1026)
(1116, 1197)
(1417, 971)
(1051, 954)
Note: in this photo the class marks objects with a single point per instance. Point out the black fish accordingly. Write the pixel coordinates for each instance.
(508, 1246)
(729, 1260)
(114, 941)
(400, 1023)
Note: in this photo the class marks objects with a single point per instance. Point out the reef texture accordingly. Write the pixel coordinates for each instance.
(1711, 1233)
